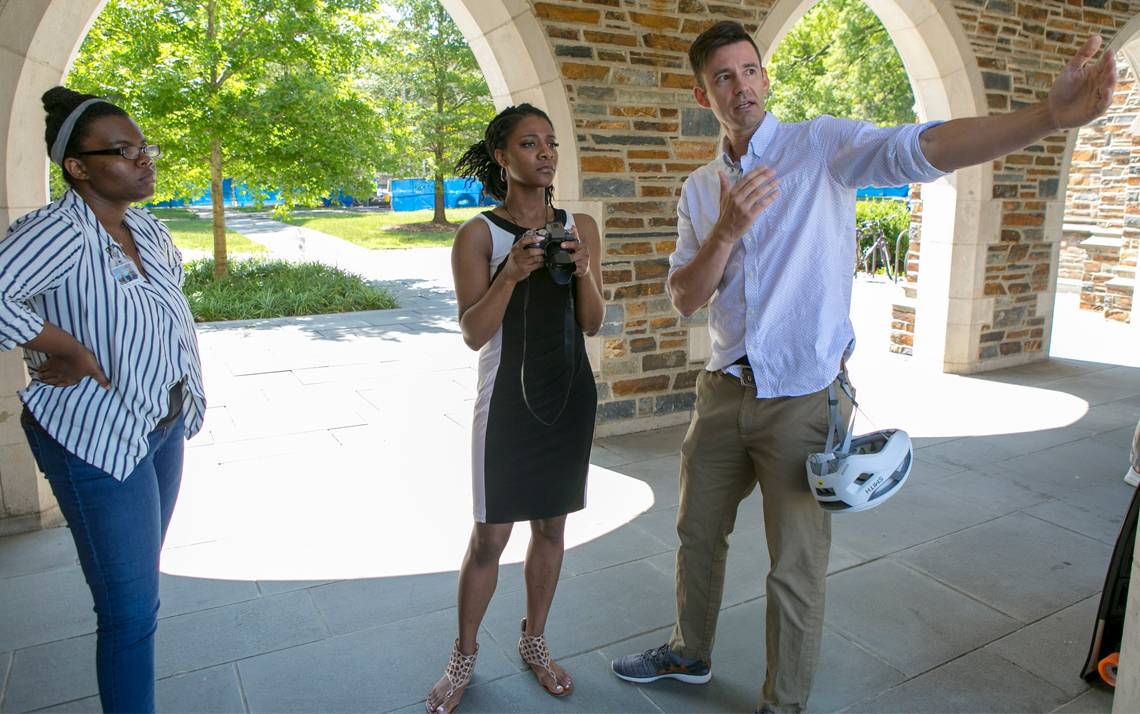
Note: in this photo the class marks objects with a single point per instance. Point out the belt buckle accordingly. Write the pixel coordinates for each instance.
(747, 378)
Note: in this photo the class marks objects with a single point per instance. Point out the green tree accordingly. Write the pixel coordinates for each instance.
(839, 60)
(258, 90)
(435, 98)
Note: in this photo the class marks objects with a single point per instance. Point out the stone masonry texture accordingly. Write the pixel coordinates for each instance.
(640, 133)
(1102, 206)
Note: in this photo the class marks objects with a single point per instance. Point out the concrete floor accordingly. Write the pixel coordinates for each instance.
(325, 508)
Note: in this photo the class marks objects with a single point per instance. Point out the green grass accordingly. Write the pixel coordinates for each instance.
(257, 288)
(163, 214)
(193, 233)
(384, 229)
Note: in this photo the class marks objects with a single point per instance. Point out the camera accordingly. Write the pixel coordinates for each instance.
(559, 261)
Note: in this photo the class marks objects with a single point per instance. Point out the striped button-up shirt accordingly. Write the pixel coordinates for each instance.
(55, 266)
(785, 297)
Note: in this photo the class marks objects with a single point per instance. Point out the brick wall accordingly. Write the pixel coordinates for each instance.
(1104, 198)
(903, 313)
(1020, 47)
(1099, 172)
(639, 133)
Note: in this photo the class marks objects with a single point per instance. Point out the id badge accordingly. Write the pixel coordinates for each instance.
(124, 271)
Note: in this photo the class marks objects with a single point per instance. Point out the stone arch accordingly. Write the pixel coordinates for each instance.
(505, 36)
(1127, 40)
(957, 211)
(515, 56)
(930, 40)
(1098, 230)
(39, 40)
(44, 36)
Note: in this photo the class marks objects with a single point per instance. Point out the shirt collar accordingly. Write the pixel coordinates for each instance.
(757, 145)
(73, 202)
(70, 199)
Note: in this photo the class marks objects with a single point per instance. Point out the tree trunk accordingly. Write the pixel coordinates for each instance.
(440, 216)
(218, 203)
(217, 200)
(437, 151)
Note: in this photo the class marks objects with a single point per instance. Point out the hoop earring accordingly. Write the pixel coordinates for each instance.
(503, 173)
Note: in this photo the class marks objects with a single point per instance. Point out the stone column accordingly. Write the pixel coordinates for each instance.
(26, 501)
(38, 38)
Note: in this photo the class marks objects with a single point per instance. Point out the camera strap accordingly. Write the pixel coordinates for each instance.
(569, 345)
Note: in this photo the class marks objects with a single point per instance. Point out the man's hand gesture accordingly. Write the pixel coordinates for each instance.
(741, 204)
(1083, 91)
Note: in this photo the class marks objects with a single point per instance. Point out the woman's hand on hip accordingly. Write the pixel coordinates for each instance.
(68, 369)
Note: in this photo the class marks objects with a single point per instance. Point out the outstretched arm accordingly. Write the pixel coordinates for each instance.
(1081, 93)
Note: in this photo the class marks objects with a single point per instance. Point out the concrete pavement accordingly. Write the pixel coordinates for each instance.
(325, 508)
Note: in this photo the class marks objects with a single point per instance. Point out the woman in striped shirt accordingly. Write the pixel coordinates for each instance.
(91, 289)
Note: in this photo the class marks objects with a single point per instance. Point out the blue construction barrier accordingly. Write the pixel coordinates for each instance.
(419, 194)
(239, 195)
(872, 192)
(340, 198)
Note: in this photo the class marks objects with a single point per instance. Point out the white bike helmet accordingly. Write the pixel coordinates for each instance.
(862, 472)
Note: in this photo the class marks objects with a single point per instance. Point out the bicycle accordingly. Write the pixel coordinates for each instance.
(878, 251)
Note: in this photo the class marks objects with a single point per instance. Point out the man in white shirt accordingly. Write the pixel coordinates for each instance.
(766, 240)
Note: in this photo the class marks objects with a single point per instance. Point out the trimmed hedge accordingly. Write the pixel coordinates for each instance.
(259, 288)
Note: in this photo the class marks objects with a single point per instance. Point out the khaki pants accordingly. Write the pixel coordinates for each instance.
(735, 442)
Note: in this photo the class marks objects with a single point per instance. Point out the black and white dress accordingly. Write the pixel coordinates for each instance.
(534, 411)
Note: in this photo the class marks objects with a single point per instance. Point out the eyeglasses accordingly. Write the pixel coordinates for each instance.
(130, 153)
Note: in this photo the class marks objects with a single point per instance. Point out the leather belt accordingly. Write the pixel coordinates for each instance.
(747, 375)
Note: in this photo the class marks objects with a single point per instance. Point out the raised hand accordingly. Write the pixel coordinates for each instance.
(1083, 90)
(742, 203)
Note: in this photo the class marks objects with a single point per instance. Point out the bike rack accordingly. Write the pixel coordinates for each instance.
(898, 240)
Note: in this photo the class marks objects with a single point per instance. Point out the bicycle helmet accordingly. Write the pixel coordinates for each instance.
(861, 472)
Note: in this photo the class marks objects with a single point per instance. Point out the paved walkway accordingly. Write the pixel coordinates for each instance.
(311, 562)
(420, 279)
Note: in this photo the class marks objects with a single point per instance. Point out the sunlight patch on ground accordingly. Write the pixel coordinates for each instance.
(896, 393)
(335, 453)
(1087, 336)
(892, 394)
(330, 517)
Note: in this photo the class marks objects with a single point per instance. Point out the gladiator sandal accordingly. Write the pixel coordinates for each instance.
(459, 669)
(534, 652)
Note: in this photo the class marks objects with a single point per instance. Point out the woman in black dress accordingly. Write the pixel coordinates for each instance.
(527, 292)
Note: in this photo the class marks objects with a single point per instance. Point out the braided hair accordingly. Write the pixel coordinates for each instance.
(59, 102)
(478, 162)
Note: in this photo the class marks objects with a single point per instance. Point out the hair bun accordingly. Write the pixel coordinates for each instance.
(62, 99)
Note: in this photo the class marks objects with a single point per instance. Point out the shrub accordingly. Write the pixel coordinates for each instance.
(258, 288)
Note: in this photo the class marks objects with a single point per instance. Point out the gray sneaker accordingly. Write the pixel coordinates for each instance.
(661, 663)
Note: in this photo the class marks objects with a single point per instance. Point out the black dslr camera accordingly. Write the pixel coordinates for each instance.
(559, 261)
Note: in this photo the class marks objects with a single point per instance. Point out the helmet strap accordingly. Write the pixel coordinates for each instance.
(835, 433)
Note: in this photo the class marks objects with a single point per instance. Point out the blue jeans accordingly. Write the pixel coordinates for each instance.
(118, 528)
